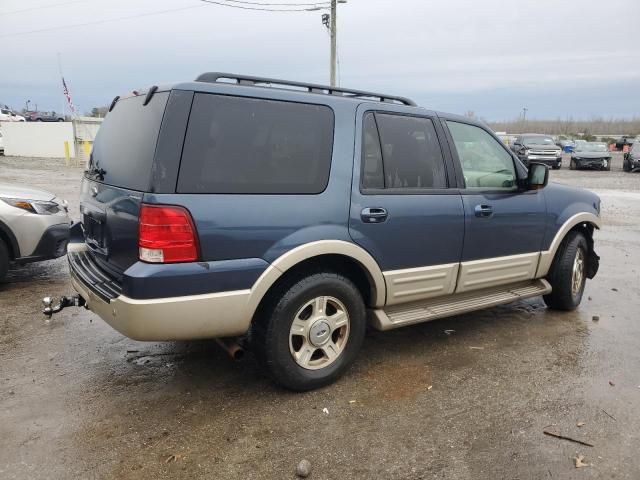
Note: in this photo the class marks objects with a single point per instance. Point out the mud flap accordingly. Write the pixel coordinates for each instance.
(593, 262)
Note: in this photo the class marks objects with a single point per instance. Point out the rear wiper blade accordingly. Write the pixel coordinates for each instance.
(97, 172)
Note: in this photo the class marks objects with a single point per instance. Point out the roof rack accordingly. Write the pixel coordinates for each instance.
(215, 77)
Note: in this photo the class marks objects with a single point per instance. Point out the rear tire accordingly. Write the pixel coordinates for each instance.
(572, 165)
(568, 273)
(4, 260)
(310, 330)
(626, 165)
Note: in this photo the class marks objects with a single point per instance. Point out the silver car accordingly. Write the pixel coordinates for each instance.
(34, 226)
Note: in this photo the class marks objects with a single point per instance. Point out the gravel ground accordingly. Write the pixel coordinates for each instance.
(77, 400)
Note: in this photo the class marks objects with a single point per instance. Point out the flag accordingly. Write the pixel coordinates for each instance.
(65, 90)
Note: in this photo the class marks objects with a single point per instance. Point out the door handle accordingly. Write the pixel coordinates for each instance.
(483, 211)
(374, 215)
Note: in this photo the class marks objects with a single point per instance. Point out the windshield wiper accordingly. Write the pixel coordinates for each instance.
(96, 172)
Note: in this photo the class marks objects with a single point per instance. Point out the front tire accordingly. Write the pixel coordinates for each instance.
(568, 273)
(4, 260)
(310, 331)
(572, 165)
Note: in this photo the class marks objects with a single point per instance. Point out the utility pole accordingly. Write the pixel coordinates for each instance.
(330, 21)
(333, 33)
(524, 114)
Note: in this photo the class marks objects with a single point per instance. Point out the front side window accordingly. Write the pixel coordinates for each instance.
(409, 149)
(485, 163)
(256, 146)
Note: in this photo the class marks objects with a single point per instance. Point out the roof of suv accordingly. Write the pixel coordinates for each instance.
(226, 83)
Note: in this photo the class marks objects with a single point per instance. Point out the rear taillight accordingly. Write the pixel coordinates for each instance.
(166, 234)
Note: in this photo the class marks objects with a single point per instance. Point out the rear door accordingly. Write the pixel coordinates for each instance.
(403, 211)
(504, 226)
(118, 175)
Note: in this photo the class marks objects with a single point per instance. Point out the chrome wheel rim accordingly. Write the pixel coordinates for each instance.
(577, 276)
(319, 332)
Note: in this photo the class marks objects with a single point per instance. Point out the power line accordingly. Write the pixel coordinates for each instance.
(42, 7)
(99, 22)
(312, 7)
(279, 4)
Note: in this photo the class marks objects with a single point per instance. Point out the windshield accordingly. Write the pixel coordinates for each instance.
(538, 140)
(592, 147)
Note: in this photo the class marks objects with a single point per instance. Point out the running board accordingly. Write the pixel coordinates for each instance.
(395, 316)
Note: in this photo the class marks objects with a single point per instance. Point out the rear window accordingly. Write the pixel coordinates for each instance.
(126, 141)
(245, 145)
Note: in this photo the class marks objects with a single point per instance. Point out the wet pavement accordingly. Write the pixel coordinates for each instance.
(78, 400)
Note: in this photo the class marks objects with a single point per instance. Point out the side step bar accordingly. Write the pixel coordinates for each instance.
(395, 316)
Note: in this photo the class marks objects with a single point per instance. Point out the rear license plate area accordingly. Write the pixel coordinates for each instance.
(94, 231)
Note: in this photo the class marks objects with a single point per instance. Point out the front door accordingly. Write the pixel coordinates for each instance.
(403, 211)
(504, 226)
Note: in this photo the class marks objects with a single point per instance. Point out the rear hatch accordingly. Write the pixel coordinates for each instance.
(118, 175)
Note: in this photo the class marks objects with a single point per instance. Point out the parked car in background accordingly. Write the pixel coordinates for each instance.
(625, 141)
(44, 117)
(567, 146)
(532, 147)
(7, 115)
(592, 155)
(631, 162)
(34, 226)
(289, 217)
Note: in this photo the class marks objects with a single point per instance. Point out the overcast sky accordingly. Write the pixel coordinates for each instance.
(558, 58)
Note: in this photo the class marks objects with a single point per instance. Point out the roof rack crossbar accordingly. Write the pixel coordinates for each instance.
(215, 77)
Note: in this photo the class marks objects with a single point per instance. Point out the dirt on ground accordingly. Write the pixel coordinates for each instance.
(466, 397)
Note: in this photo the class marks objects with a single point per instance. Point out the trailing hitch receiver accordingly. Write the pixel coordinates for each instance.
(54, 305)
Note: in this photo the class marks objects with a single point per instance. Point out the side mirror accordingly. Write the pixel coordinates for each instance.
(538, 176)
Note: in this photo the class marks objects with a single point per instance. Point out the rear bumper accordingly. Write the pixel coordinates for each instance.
(178, 318)
(185, 317)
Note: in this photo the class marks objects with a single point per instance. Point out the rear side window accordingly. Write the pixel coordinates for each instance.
(126, 141)
(410, 151)
(245, 145)
(372, 171)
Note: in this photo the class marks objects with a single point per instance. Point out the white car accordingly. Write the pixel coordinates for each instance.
(34, 226)
(7, 115)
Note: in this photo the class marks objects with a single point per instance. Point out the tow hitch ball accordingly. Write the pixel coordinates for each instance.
(54, 305)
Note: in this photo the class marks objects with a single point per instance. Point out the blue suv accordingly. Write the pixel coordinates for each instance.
(288, 217)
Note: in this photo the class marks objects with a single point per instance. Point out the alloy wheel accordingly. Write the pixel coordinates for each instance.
(319, 332)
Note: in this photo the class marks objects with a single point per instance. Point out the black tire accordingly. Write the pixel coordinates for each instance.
(38, 119)
(626, 166)
(4, 260)
(270, 336)
(560, 276)
(557, 167)
(572, 165)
